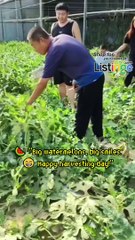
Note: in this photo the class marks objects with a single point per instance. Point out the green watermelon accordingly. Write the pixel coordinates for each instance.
(19, 151)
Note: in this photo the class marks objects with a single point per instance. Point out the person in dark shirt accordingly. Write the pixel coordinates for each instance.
(129, 41)
(77, 64)
(65, 25)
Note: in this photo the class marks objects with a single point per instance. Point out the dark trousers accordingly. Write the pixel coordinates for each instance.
(90, 107)
(129, 77)
(60, 77)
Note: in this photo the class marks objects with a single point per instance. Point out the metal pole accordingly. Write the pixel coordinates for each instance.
(2, 25)
(84, 20)
(98, 13)
(17, 26)
(21, 12)
(40, 13)
(124, 5)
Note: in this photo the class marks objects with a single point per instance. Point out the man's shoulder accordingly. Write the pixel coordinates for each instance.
(54, 24)
(55, 46)
(61, 37)
(70, 20)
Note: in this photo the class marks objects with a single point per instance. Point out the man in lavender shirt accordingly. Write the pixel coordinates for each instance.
(69, 56)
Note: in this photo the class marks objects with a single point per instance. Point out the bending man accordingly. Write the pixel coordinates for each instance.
(78, 64)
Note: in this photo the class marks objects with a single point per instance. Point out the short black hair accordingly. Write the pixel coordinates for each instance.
(62, 6)
(36, 33)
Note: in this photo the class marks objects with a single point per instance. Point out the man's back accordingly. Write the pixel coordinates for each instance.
(71, 57)
(74, 52)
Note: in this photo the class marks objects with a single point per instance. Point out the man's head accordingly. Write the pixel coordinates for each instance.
(39, 39)
(62, 12)
(103, 49)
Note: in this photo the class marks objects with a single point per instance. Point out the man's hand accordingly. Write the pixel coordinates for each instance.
(38, 91)
(116, 54)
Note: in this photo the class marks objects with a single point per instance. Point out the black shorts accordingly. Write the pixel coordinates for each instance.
(60, 77)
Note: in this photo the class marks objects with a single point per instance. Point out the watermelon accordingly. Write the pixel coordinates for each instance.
(19, 151)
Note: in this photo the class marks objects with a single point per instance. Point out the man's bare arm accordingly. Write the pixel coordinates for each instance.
(76, 31)
(122, 48)
(52, 27)
(38, 91)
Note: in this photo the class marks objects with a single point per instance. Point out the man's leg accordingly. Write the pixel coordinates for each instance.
(88, 103)
(82, 120)
(71, 95)
(128, 79)
(58, 80)
(86, 98)
(97, 114)
(69, 89)
(62, 90)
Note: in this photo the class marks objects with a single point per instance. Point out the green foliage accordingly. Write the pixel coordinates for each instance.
(16, 66)
(61, 203)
